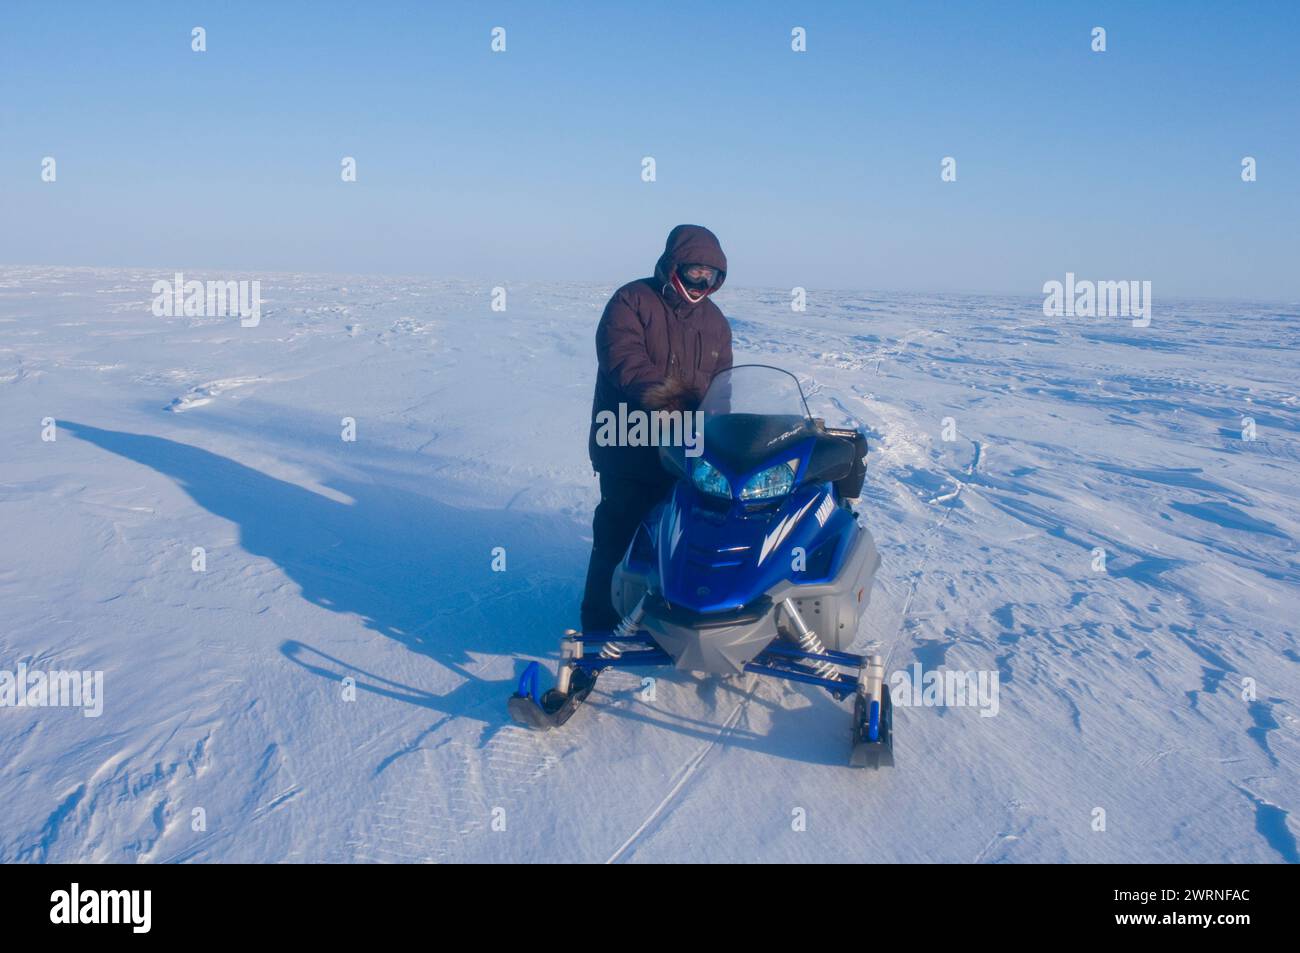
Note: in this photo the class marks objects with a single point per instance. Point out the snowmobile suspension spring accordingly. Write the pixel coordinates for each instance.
(626, 628)
(809, 642)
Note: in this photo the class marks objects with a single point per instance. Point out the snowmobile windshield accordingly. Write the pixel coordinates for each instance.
(750, 412)
(755, 389)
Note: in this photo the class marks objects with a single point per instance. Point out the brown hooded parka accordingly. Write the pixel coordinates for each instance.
(657, 350)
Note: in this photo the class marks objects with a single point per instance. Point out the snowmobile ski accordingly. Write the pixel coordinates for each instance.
(552, 708)
(873, 733)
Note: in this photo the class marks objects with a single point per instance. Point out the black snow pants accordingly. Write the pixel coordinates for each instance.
(624, 502)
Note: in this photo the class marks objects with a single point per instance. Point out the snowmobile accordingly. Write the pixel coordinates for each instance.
(756, 562)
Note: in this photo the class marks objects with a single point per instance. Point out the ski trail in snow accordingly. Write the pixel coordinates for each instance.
(924, 561)
(894, 430)
(686, 773)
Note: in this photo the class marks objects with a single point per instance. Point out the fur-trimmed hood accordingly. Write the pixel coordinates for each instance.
(691, 245)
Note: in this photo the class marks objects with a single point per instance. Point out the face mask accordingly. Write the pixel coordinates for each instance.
(693, 289)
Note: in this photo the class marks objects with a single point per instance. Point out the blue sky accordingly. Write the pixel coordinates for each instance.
(818, 169)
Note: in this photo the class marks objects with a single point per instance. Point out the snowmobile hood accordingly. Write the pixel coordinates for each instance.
(691, 245)
(718, 563)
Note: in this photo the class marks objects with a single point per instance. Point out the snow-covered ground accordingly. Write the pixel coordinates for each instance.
(1123, 690)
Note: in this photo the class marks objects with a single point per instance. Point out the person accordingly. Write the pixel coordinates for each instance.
(659, 343)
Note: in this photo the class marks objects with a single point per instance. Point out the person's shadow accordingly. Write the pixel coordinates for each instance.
(411, 568)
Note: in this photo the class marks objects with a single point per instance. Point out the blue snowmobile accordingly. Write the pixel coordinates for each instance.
(756, 562)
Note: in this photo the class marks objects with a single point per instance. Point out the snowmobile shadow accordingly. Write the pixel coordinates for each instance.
(459, 701)
(419, 572)
(413, 569)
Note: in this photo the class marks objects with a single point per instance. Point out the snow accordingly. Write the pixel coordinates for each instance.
(1121, 690)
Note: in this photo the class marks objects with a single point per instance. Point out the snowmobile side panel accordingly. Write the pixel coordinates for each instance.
(635, 574)
(832, 609)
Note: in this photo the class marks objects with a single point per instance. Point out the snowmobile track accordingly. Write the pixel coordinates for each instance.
(685, 773)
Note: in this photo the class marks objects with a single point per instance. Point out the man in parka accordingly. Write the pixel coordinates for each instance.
(658, 345)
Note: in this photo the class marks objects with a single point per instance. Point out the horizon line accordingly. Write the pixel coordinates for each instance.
(409, 276)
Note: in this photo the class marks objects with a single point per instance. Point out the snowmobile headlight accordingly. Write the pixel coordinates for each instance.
(709, 479)
(769, 484)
